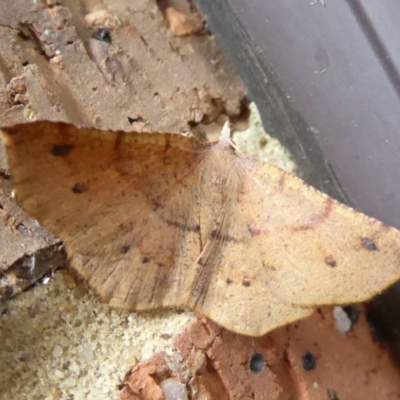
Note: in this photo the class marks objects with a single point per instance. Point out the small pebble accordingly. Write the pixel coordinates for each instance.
(59, 374)
(57, 351)
(173, 390)
(70, 382)
(87, 353)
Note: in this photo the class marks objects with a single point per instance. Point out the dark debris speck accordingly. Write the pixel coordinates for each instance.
(369, 244)
(257, 362)
(126, 249)
(308, 361)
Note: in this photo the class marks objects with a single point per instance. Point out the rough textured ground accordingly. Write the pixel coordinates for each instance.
(58, 340)
(309, 360)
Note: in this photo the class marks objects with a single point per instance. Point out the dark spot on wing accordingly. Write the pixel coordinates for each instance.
(229, 281)
(329, 260)
(246, 282)
(308, 361)
(61, 150)
(368, 244)
(126, 249)
(257, 363)
(145, 260)
(160, 265)
(80, 187)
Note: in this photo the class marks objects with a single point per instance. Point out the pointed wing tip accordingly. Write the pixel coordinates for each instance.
(8, 133)
(6, 137)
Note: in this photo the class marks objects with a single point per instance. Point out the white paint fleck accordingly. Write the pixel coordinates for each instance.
(342, 321)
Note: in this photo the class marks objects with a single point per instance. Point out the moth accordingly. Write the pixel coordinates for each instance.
(162, 220)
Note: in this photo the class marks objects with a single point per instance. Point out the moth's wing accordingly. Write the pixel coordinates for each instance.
(318, 250)
(233, 289)
(233, 284)
(277, 247)
(122, 203)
